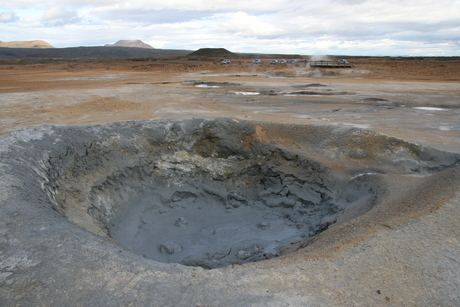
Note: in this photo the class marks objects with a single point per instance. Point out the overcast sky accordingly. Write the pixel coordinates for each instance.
(336, 27)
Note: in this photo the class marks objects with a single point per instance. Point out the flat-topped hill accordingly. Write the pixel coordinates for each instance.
(130, 43)
(212, 52)
(26, 44)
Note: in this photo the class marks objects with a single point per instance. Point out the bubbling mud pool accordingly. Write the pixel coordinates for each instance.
(215, 192)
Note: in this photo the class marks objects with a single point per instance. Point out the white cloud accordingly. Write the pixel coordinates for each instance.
(196, 5)
(144, 15)
(59, 16)
(243, 24)
(6, 17)
(186, 5)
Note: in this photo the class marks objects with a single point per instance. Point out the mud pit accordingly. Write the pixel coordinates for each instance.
(215, 199)
(199, 193)
(215, 211)
(216, 192)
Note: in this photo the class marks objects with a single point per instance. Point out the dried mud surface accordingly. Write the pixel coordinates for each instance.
(387, 133)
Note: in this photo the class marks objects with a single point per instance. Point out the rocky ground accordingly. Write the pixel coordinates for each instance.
(403, 252)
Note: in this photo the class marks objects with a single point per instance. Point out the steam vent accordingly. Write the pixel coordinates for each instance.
(178, 211)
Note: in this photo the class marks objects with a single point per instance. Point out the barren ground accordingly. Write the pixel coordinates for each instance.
(414, 99)
(410, 261)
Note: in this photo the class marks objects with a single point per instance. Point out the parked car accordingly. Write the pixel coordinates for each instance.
(257, 62)
(274, 62)
(292, 61)
(283, 62)
(225, 62)
(343, 61)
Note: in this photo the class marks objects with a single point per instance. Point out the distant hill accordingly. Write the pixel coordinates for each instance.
(116, 52)
(212, 53)
(26, 44)
(130, 43)
(223, 53)
(88, 53)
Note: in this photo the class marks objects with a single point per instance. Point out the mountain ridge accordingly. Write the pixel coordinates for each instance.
(88, 53)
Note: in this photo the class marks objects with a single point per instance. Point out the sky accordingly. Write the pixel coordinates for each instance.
(320, 27)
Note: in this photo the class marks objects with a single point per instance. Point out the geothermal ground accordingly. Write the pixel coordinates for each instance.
(190, 183)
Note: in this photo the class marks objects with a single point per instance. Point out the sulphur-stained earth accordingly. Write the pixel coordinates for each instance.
(414, 99)
(369, 154)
